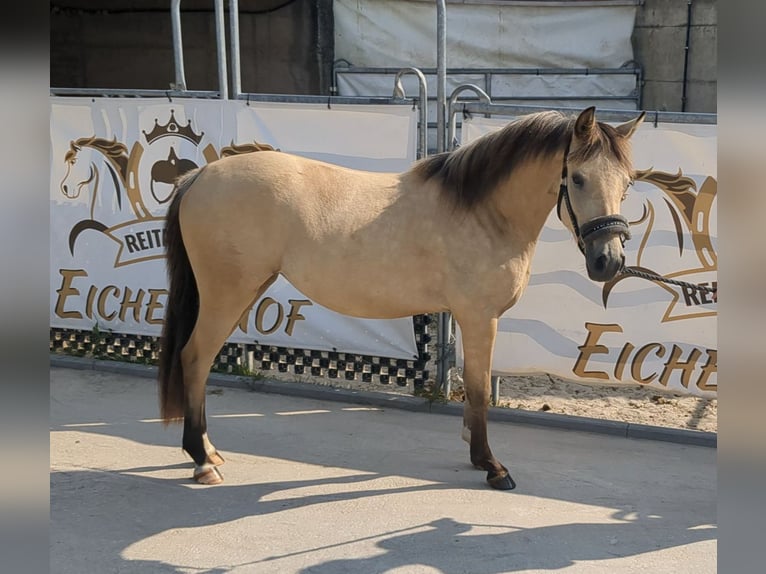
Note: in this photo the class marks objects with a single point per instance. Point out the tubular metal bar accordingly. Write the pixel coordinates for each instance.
(273, 98)
(422, 105)
(627, 98)
(325, 100)
(178, 50)
(220, 41)
(483, 96)
(346, 69)
(122, 93)
(236, 68)
(603, 114)
(445, 320)
(445, 347)
(441, 73)
(495, 385)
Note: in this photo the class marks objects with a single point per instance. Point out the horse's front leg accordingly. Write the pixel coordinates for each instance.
(478, 344)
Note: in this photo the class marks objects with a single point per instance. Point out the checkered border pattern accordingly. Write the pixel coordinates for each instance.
(250, 358)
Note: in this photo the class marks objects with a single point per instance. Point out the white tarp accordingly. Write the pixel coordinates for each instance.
(641, 332)
(401, 33)
(111, 167)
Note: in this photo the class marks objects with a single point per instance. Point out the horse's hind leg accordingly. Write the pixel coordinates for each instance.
(219, 312)
(478, 343)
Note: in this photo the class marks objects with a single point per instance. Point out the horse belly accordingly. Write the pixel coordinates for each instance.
(364, 288)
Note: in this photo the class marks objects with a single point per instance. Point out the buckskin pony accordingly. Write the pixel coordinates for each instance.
(455, 233)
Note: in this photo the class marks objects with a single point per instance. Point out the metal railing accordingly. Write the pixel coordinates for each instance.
(343, 67)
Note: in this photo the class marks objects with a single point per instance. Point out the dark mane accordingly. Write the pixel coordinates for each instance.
(470, 174)
(112, 149)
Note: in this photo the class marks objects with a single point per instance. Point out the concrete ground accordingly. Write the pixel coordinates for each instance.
(329, 488)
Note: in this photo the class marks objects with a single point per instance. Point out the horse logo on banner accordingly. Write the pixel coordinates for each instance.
(108, 177)
(690, 207)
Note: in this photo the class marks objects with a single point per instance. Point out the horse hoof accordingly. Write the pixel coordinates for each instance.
(215, 459)
(208, 476)
(500, 481)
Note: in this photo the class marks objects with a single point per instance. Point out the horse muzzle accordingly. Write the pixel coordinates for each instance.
(601, 241)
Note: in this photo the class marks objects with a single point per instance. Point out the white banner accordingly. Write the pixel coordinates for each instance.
(112, 167)
(638, 331)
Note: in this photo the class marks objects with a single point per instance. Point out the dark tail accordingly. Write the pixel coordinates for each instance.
(180, 311)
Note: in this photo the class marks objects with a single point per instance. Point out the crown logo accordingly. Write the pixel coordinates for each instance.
(172, 128)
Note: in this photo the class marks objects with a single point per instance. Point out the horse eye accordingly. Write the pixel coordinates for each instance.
(577, 179)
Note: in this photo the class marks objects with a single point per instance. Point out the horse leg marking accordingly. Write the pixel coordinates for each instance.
(213, 456)
(207, 474)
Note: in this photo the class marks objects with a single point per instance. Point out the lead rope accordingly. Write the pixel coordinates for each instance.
(654, 277)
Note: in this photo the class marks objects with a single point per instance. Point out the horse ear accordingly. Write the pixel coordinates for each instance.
(585, 123)
(628, 128)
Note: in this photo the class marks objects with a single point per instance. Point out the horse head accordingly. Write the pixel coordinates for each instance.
(596, 175)
(78, 175)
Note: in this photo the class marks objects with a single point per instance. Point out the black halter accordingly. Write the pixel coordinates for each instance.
(597, 227)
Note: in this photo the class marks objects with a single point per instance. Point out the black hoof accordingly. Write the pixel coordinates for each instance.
(500, 481)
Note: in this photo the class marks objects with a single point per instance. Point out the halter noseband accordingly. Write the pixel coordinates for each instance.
(597, 227)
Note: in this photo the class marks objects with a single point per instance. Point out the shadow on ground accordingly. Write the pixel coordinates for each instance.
(99, 513)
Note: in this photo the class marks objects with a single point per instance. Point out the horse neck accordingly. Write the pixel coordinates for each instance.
(524, 201)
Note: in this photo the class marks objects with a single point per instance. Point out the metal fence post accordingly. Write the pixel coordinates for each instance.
(445, 319)
(220, 40)
(236, 68)
(441, 73)
(178, 49)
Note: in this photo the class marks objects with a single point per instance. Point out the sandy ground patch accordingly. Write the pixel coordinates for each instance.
(623, 403)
